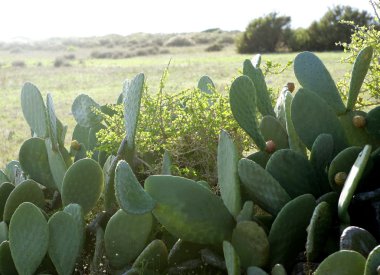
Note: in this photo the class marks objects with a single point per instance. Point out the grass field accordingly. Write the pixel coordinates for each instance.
(102, 79)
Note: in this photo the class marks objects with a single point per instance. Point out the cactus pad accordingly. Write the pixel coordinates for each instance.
(33, 108)
(373, 122)
(312, 74)
(312, 116)
(132, 198)
(83, 184)
(342, 263)
(5, 190)
(358, 74)
(64, 242)
(357, 239)
(228, 178)
(271, 129)
(34, 161)
(318, 231)
(188, 210)
(251, 244)
(154, 257)
(231, 258)
(260, 157)
(373, 262)
(27, 191)
(287, 239)
(83, 111)
(206, 85)
(28, 238)
(294, 173)
(126, 236)
(261, 187)
(246, 212)
(7, 266)
(57, 164)
(243, 107)
(351, 183)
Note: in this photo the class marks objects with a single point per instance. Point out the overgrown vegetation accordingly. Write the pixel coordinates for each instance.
(363, 36)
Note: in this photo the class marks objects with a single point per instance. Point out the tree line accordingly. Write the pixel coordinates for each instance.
(272, 33)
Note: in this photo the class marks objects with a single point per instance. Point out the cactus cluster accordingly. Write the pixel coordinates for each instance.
(294, 205)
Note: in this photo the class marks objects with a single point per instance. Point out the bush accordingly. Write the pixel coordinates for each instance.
(263, 34)
(186, 124)
(214, 48)
(298, 40)
(364, 36)
(179, 41)
(18, 64)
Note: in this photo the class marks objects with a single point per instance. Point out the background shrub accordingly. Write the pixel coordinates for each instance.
(179, 41)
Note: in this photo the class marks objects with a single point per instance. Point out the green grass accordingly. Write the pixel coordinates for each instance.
(102, 79)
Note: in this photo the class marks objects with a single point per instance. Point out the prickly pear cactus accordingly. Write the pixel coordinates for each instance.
(83, 111)
(228, 178)
(154, 257)
(251, 244)
(188, 210)
(125, 237)
(261, 187)
(206, 85)
(287, 239)
(28, 238)
(7, 266)
(342, 262)
(64, 242)
(130, 195)
(232, 258)
(373, 262)
(83, 184)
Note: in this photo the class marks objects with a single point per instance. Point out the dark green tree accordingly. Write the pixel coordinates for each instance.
(326, 32)
(263, 34)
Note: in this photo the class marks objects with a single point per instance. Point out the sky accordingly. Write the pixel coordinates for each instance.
(41, 19)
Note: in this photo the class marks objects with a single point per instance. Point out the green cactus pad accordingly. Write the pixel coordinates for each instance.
(14, 171)
(83, 111)
(154, 257)
(206, 85)
(251, 244)
(99, 249)
(52, 122)
(357, 239)
(33, 108)
(373, 262)
(188, 210)
(356, 136)
(109, 184)
(246, 212)
(358, 74)
(343, 262)
(57, 164)
(320, 158)
(260, 157)
(183, 251)
(243, 107)
(279, 108)
(3, 232)
(332, 199)
(64, 242)
(3, 177)
(261, 187)
(28, 238)
(318, 231)
(133, 93)
(272, 129)
(83, 184)
(231, 258)
(34, 161)
(6, 189)
(130, 195)
(312, 116)
(7, 266)
(76, 211)
(80, 134)
(27, 191)
(373, 122)
(264, 104)
(125, 237)
(287, 239)
(294, 173)
(312, 74)
(278, 269)
(295, 142)
(81, 153)
(228, 178)
(166, 164)
(254, 270)
(61, 133)
(342, 163)
(351, 183)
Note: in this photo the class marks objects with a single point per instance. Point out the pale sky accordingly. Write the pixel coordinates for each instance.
(40, 19)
